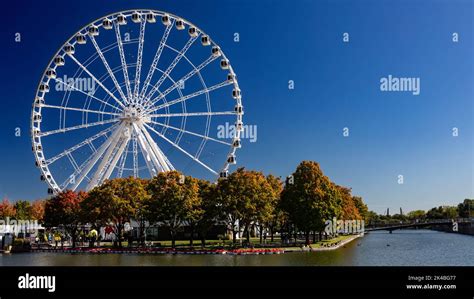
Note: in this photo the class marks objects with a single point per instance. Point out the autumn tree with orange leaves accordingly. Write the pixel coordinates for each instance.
(7, 209)
(63, 210)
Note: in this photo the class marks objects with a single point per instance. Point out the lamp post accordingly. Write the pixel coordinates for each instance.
(142, 235)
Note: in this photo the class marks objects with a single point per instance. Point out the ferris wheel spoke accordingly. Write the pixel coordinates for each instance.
(87, 94)
(123, 159)
(96, 80)
(190, 133)
(109, 70)
(47, 133)
(79, 109)
(80, 144)
(163, 97)
(138, 70)
(192, 95)
(181, 149)
(194, 114)
(72, 161)
(184, 79)
(170, 68)
(122, 59)
(156, 58)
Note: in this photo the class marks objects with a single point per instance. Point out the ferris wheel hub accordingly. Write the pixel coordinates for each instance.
(132, 112)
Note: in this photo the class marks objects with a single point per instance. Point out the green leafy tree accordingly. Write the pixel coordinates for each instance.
(310, 198)
(416, 215)
(466, 208)
(435, 213)
(171, 200)
(229, 204)
(210, 208)
(95, 208)
(349, 210)
(442, 213)
(269, 214)
(140, 207)
(245, 197)
(399, 217)
(450, 212)
(194, 209)
(372, 218)
(64, 210)
(115, 202)
(23, 210)
(361, 207)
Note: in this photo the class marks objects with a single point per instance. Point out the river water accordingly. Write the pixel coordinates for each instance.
(401, 248)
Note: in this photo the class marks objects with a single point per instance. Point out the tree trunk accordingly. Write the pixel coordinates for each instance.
(191, 240)
(261, 234)
(173, 242)
(240, 233)
(203, 240)
(142, 234)
(234, 235)
(73, 237)
(314, 237)
(271, 233)
(98, 237)
(247, 233)
(119, 235)
(307, 237)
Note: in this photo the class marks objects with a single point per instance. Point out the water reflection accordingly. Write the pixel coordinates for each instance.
(401, 248)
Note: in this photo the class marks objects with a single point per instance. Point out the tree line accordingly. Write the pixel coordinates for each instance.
(464, 209)
(245, 201)
(22, 209)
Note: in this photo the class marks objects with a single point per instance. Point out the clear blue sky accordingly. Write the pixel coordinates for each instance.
(336, 86)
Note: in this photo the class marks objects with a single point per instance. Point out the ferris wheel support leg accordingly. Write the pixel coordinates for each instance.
(135, 154)
(123, 159)
(117, 156)
(167, 161)
(94, 160)
(115, 138)
(152, 162)
(162, 159)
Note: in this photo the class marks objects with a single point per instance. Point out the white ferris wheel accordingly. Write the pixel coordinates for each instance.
(135, 93)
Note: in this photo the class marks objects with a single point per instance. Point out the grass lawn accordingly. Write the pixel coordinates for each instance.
(212, 244)
(330, 241)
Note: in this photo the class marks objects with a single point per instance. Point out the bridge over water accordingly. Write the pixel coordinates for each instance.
(419, 224)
